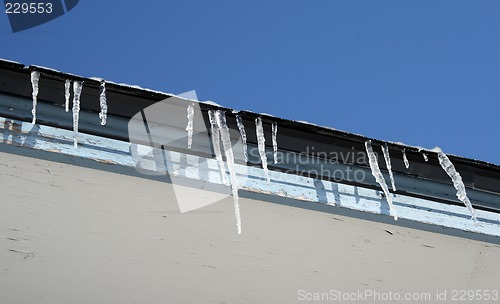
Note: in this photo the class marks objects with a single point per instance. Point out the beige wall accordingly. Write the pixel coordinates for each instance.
(76, 235)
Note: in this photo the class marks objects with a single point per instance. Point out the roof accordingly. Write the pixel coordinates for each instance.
(124, 101)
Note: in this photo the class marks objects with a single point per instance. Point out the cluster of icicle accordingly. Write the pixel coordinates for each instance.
(219, 131)
(444, 161)
(261, 142)
(77, 91)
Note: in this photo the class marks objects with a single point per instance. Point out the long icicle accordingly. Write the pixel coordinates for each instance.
(190, 124)
(458, 183)
(243, 135)
(77, 91)
(226, 143)
(261, 142)
(387, 157)
(275, 141)
(379, 177)
(35, 78)
(67, 94)
(103, 102)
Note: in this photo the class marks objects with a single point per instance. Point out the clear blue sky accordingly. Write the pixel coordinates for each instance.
(425, 73)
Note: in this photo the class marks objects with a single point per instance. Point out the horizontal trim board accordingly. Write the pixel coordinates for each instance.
(183, 167)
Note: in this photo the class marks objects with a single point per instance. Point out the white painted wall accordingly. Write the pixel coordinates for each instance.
(71, 234)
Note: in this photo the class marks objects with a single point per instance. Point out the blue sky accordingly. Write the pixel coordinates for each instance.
(425, 73)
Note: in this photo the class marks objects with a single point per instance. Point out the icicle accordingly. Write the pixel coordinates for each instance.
(448, 166)
(189, 127)
(275, 141)
(379, 177)
(35, 78)
(67, 94)
(226, 143)
(426, 158)
(405, 159)
(104, 104)
(243, 134)
(387, 156)
(214, 131)
(77, 91)
(261, 140)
